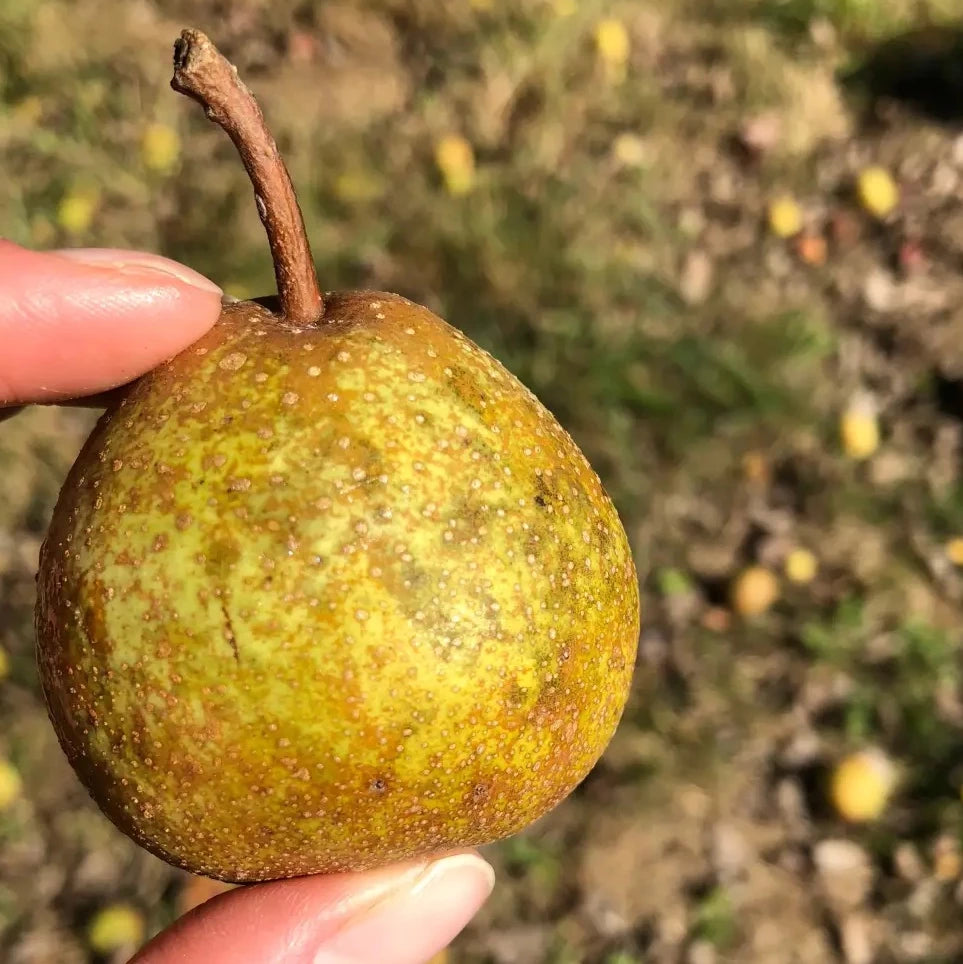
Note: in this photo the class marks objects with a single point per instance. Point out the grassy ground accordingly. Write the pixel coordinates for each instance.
(608, 239)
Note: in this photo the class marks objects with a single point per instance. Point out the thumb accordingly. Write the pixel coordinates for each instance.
(84, 320)
(400, 915)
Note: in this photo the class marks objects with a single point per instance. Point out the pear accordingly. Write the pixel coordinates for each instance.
(330, 589)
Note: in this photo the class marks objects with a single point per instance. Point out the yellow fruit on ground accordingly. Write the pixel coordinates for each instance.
(812, 249)
(947, 860)
(756, 468)
(859, 431)
(716, 619)
(10, 784)
(613, 45)
(954, 550)
(754, 591)
(77, 209)
(114, 928)
(800, 566)
(4, 664)
(785, 217)
(862, 784)
(630, 150)
(160, 148)
(456, 161)
(877, 191)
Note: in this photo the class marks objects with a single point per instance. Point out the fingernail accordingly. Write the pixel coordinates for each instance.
(411, 924)
(138, 261)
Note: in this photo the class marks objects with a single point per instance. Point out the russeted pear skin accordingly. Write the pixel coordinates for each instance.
(321, 598)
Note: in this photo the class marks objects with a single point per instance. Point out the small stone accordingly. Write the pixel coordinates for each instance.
(722, 187)
(845, 872)
(761, 133)
(792, 860)
(701, 952)
(695, 282)
(880, 290)
(908, 863)
(890, 468)
(672, 926)
(854, 936)
(916, 945)
(823, 33)
(844, 228)
(792, 804)
(653, 648)
(694, 802)
(729, 853)
(811, 248)
(302, 46)
(803, 749)
(911, 257)
(691, 221)
(947, 862)
(518, 945)
(924, 897)
(605, 919)
(716, 619)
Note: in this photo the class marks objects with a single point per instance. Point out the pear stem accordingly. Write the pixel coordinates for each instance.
(204, 74)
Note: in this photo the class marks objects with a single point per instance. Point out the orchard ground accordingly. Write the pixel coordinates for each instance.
(588, 189)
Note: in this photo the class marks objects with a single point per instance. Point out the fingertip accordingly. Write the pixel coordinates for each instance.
(122, 261)
(397, 915)
(80, 322)
(417, 921)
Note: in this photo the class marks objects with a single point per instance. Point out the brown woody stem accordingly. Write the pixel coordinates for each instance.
(204, 74)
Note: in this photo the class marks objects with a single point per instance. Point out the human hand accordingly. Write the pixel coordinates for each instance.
(77, 323)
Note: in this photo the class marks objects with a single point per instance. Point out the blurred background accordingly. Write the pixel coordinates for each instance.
(723, 241)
